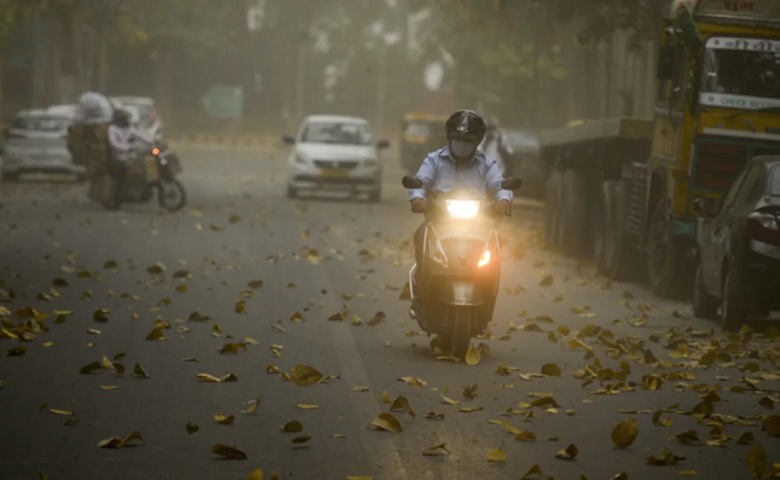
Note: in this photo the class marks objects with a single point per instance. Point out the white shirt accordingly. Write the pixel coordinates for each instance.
(122, 141)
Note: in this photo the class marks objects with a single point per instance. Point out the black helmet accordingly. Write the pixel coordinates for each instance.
(121, 117)
(466, 124)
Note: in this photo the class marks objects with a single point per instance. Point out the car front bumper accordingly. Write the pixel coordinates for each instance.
(362, 178)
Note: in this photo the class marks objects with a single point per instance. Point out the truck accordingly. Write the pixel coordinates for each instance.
(622, 190)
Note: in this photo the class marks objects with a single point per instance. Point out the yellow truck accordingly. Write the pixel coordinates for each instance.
(622, 190)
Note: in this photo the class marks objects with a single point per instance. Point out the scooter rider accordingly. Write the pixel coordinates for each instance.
(121, 137)
(458, 165)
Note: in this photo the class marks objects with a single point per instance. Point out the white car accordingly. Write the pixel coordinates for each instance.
(36, 142)
(335, 152)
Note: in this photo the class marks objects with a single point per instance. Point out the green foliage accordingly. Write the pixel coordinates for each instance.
(193, 24)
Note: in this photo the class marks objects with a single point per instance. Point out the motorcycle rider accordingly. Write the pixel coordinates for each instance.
(121, 137)
(460, 164)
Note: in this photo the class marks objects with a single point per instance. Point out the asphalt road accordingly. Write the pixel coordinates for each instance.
(242, 264)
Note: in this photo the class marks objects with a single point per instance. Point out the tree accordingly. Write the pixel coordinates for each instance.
(530, 52)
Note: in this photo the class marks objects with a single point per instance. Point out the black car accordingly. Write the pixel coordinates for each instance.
(739, 247)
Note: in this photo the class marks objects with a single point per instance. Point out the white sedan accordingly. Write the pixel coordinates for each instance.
(335, 152)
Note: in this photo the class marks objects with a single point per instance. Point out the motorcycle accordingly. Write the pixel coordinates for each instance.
(151, 169)
(459, 276)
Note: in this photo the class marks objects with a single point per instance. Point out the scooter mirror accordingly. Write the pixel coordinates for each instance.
(411, 182)
(512, 184)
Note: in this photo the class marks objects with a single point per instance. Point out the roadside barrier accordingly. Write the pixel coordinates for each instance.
(216, 139)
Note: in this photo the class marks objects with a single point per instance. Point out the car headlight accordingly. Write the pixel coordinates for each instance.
(463, 209)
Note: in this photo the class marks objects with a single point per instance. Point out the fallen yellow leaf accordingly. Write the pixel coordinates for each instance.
(387, 422)
(625, 432)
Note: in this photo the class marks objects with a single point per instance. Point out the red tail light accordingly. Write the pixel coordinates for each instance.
(762, 226)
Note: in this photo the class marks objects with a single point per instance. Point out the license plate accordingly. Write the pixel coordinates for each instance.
(152, 174)
(335, 172)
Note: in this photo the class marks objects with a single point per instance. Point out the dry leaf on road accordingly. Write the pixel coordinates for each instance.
(387, 422)
(228, 452)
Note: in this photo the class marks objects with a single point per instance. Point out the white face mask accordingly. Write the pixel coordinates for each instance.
(461, 149)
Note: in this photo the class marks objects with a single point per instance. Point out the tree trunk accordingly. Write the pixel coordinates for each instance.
(103, 65)
(2, 76)
(53, 92)
(164, 78)
(79, 51)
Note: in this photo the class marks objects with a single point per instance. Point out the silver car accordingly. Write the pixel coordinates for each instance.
(36, 142)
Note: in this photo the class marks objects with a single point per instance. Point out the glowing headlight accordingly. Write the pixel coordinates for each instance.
(485, 258)
(463, 209)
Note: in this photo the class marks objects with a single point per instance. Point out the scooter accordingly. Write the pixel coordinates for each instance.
(151, 169)
(455, 292)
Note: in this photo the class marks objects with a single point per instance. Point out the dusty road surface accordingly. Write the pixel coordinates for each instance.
(111, 318)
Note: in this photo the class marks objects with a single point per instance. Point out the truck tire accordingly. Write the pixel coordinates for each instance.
(574, 213)
(552, 202)
(619, 254)
(666, 264)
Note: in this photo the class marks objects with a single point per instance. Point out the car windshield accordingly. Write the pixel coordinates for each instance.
(337, 133)
(741, 73)
(41, 123)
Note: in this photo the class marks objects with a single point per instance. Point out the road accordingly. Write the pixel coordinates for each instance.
(242, 264)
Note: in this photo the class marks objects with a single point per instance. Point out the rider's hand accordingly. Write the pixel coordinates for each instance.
(418, 205)
(503, 207)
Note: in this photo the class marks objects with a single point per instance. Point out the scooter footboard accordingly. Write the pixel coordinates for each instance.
(459, 292)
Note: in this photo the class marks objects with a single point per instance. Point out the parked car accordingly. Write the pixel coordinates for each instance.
(148, 119)
(335, 153)
(526, 160)
(739, 247)
(36, 141)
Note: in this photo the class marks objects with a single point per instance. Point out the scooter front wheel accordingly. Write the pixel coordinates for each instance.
(456, 341)
(172, 195)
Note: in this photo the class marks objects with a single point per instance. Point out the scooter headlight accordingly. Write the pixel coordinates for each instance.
(485, 259)
(463, 209)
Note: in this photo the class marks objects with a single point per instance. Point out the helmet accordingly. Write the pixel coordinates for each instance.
(466, 125)
(121, 117)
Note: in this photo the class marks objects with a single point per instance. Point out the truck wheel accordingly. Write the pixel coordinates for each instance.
(619, 252)
(574, 212)
(552, 210)
(666, 265)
